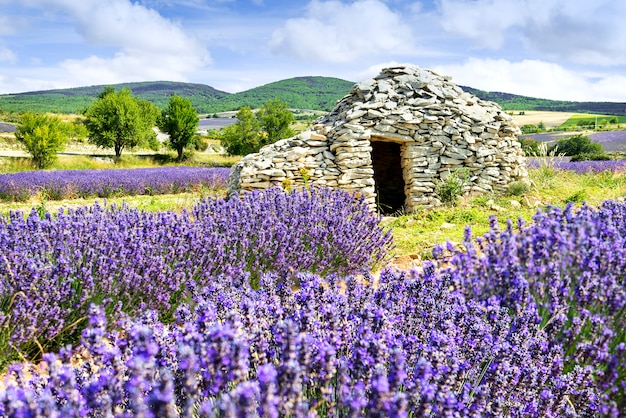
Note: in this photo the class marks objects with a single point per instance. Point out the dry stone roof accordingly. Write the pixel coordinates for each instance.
(393, 139)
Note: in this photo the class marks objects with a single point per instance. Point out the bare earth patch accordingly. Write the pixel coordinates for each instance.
(534, 117)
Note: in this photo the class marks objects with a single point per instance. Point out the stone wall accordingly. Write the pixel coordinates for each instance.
(438, 129)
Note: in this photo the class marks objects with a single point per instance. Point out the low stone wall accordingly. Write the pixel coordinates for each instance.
(439, 129)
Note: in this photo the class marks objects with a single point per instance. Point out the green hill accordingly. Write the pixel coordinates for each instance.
(510, 101)
(75, 100)
(315, 93)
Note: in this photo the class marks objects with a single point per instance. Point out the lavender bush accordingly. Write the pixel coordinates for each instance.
(413, 346)
(65, 184)
(52, 268)
(523, 322)
(582, 167)
(570, 265)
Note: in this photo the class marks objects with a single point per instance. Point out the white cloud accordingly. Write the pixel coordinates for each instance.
(374, 70)
(536, 79)
(574, 30)
(148, 45)
(6, 25)
(336, 32)
(483, 21)
(6, 55)
(11, 84)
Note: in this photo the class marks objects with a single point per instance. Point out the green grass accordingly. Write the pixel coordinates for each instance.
(417, 233)
(105, 161)
(174, 202)
(588, 119)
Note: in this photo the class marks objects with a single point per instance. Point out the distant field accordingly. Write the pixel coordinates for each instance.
(561, 119)
(534, 117)
(215, 123)
(577, 119)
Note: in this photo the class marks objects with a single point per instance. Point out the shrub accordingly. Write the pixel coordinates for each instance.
(451, 188)
(577, 197)
(42, 136)
(518, 188)
(200, 143)
(601, 156)
(529, 145)
(577, 145)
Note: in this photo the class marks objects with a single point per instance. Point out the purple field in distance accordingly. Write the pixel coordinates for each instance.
(215, 123)
(64, 184)
(7, 127)
(611, 141)
(582, 167)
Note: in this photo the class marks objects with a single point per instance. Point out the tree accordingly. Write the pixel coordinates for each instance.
(119, 120)
(151, 113)
(42, 136)
(578, 145)
(244, 136)
(275, 118)
(251, 132)
(529, 145)
(180, 121)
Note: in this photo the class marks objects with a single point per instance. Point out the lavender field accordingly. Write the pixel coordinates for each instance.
(582, 167)
(67, 184)
(611, 141)
(265, 306)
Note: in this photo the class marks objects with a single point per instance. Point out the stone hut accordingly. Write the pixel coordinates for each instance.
(393, 139)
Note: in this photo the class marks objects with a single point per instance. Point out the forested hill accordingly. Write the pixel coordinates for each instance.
(316, 93)
(75, 100)
(510, 101)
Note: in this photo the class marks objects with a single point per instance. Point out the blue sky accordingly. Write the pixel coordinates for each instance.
(557, 49)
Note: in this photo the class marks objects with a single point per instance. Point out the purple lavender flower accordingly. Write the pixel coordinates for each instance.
(67, 184)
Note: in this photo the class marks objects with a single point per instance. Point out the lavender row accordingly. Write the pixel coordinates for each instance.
(525, 322)
(52, 269)
(583, 167)
(568, 265)
(64, 184)
(413, 346)
(618, 136)
(528, 321)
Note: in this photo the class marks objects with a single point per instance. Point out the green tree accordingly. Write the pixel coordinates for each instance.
(578, 145)
(251, 132)
(107, 90)
(119, 120)
(75, 130)
(146, 124)
(275, 119)
(529, 145)
(42, 136)
(244, 136)
(529, 129)
(180, 120)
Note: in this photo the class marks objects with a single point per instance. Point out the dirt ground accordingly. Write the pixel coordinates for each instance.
(534, 117)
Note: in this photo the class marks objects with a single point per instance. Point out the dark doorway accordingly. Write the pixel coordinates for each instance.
(388, 176)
